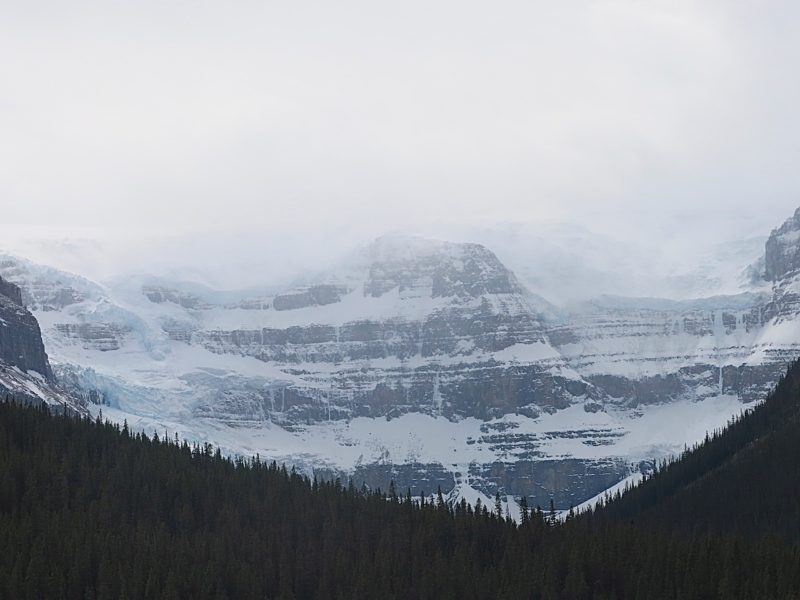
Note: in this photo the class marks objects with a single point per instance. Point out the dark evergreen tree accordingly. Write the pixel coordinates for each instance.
(525, 513)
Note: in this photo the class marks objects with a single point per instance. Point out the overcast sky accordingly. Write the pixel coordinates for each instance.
(320, 121)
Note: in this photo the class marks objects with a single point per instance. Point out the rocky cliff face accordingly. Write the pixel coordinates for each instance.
(426, 363)
(11, 292)
(437, 328)
(21, 343)
(645, 352)
(25, 372)
(782, 256)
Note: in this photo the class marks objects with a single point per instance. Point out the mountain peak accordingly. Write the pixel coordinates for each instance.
(783, 249)
(447, 268)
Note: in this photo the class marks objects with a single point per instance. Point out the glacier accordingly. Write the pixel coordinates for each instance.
(428, 363)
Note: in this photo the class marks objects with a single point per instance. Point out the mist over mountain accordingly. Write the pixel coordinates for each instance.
(562, 261)
(536, 370)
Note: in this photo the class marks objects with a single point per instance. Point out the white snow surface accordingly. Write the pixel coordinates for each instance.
(654, 432)
(152, 380)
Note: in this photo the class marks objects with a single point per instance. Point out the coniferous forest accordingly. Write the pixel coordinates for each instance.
(90, 510)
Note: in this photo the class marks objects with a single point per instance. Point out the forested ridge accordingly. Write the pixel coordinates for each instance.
(89, 509)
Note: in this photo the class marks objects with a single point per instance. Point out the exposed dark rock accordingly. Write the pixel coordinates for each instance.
(782, 256)
(317, 295)
(159, 294)
(21, 343)
(11, 291)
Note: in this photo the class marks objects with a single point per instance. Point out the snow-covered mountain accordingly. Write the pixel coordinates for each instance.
(427, 363)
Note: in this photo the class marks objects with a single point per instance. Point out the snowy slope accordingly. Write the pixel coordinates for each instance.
(424, 362)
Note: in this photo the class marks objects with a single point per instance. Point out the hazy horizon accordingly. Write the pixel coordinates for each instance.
(561, 261)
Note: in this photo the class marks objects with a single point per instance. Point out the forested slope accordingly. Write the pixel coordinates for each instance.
(744, 479)
(89, 510)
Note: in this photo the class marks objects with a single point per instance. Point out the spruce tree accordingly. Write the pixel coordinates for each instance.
(523, 503)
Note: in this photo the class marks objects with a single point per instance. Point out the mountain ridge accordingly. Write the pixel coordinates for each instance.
(418, 338)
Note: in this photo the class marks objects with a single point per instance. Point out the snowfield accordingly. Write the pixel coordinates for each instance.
(418, 329)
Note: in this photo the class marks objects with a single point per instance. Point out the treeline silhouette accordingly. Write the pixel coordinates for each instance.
(90, 510)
